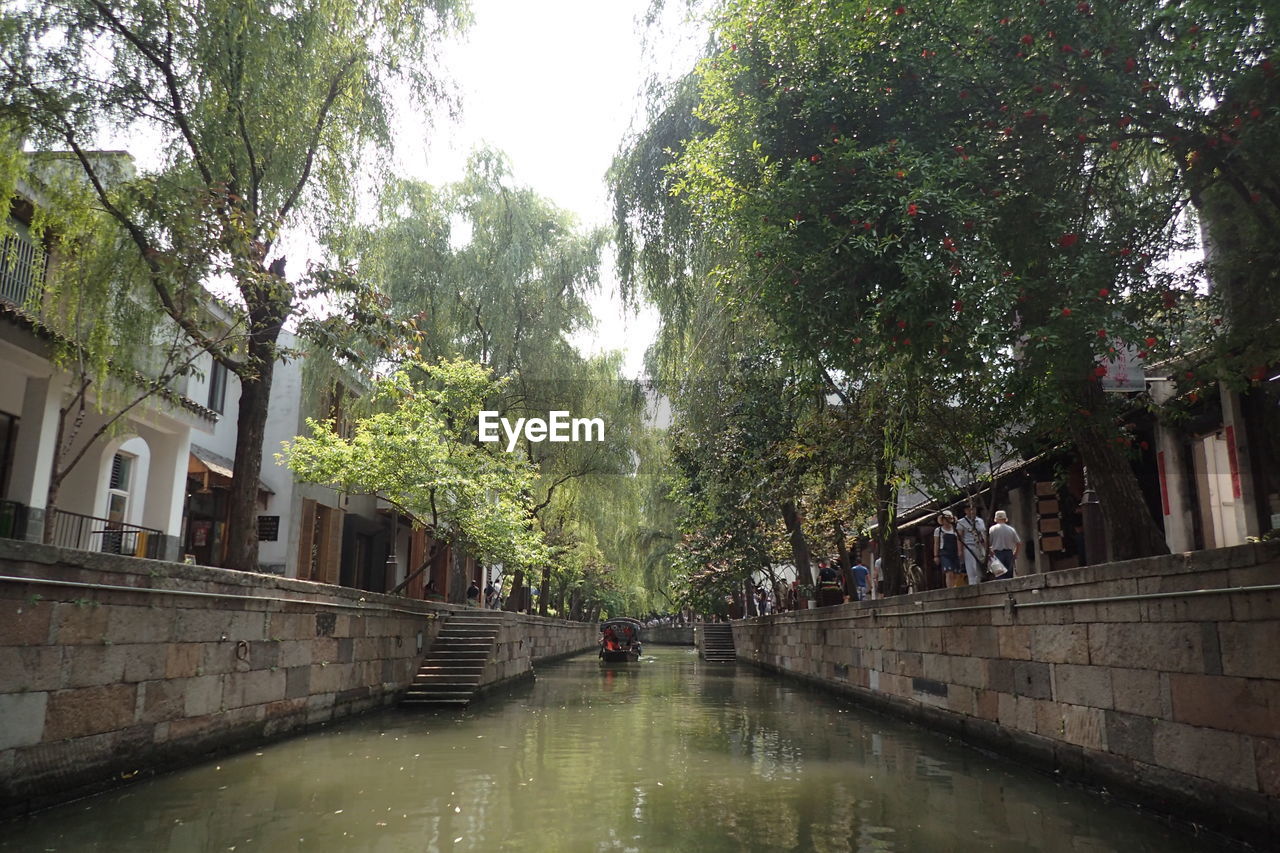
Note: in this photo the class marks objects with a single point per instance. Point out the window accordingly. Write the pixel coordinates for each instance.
(117, 503)
(8, 435)
(22, 264)
(118, 487)
(218, 387)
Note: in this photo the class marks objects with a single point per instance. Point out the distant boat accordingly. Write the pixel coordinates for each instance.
(619, 640)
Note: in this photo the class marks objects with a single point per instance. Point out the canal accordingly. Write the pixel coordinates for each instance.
(670, 754)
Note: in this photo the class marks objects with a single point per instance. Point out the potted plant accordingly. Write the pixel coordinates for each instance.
(807, 592)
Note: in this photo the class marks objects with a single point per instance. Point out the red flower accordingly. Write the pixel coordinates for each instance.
(1150, 342)
(901, 10)
(948, 244)
(1028, 39)
(1125, 121)
(906, 342)
(902, 324)
(912, 210)
(1115, 146)
(1099, 371)
(1126, 252)
(957, 305)
(1066, 312)
(1082, 8)
(1103, 293)
(1102, 333)
(1129, 65)
(1066, 48)
(1066, 241)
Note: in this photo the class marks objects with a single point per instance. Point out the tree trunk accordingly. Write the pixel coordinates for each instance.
(457, 585)
(799, 545)
(887, 531)
(515, 596)
(251, 429)
(544, 590)
(1131, 531)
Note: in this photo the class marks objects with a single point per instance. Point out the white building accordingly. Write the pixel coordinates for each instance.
(156, 484)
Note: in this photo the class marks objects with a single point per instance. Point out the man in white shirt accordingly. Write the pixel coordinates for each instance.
(973, 543)
(1005, 541)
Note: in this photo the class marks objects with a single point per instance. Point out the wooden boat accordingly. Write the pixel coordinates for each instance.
(619, 640)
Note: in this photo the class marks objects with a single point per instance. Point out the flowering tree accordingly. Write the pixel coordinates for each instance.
(981, 198)
(420, 453)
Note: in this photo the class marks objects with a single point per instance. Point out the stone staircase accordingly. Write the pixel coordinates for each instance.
(450, 672)
(717, 642)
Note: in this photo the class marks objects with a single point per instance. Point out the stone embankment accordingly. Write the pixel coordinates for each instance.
(112, 667)
(668, 635)
(1157, 678)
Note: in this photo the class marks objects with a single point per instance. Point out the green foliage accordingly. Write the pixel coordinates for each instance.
(953, 212)
(265, 114)
(422, 455)
(488, 270)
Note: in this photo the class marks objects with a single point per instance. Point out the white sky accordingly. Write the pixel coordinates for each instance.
(554, 84)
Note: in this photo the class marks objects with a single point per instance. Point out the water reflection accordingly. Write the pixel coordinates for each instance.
(668, 754)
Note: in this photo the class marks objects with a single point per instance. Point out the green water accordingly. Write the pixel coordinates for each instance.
(667, 754)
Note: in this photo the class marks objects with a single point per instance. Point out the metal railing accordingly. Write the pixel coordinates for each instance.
(88, 533)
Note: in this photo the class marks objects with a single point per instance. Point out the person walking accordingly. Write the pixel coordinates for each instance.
(829, 590)
(973, 543)
(946, 549)
(860, 574)
(1005, 541)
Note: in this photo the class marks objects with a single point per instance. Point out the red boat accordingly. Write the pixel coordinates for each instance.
(619, 640)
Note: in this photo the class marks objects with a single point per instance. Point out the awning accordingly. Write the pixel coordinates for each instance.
(205, 461)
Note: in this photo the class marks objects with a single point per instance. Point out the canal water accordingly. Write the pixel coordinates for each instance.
(667, 754)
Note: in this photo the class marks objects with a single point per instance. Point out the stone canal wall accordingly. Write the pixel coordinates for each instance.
(524, 640)
(668, 635)
(112, 666)
(1157, 678)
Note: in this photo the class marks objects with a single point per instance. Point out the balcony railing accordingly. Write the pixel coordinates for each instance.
(21, 268)
(87, 533)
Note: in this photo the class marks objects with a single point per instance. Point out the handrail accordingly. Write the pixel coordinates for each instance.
(90, 533)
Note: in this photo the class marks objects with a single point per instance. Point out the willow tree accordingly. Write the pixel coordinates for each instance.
(263, 116)
(489, 270)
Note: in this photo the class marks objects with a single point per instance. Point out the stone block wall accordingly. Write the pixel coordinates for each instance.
(668, 635)
(111, 666)
(525, 640)
(1158, 678)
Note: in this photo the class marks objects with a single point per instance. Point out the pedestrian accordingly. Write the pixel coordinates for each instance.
(876, 581)
(1005, 541)
(829, 590)
(973, 543)
(490, 596)
(473, 593)
(860, 574)
(946, 549)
